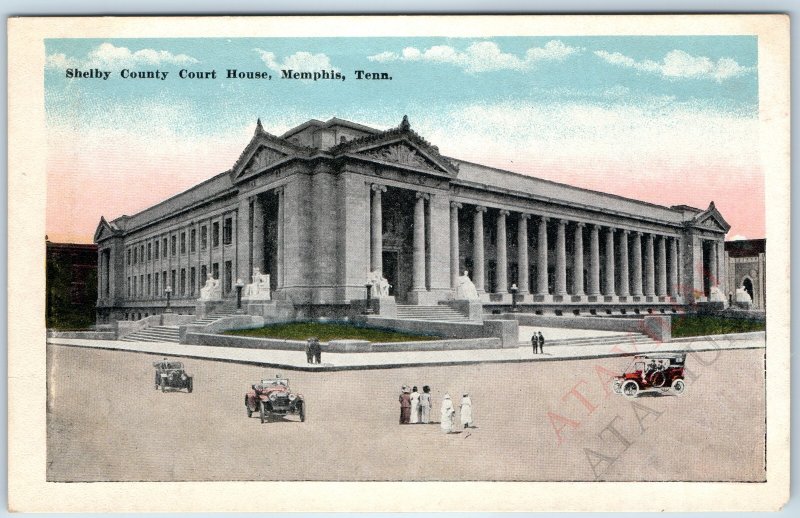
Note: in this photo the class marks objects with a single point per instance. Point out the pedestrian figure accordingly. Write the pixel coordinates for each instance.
(405, 406)
(535, 342)
(414, 406)
(310, 350)
(466, 411)
(425, 405)
(317, 350)
(448, 413)
(541, 343)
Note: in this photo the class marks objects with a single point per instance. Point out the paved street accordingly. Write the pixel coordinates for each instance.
(106, 422)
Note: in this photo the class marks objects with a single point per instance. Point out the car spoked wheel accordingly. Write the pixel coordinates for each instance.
(678, 386)
(657, 379)
(616, 386)
(630, 389)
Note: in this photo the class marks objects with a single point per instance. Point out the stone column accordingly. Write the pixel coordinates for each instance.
(477, 249)
(376, 229)
(541, 260)
(712, 266)
(561, 259)
(454, 248)
(419, 243)
(502, 253)
(279, 237)
(577, 265)
(674, 289)
(610, 288)
(522, 254)
(637, 264)
(624, 275)
(594, 261)
(649, 267)
(661, 286)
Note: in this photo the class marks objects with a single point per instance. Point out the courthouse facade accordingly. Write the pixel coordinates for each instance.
(326, 203)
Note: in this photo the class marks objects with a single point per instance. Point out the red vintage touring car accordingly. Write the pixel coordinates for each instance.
(273, 397)
(662, 372)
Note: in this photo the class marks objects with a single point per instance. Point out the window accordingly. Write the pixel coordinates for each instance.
(134, 285)
(149, 251)
(155, 250)
(141, 285)
(183, 242)
(149, 286)
(155, 285)
(164, 279)
(203, 237)
(227, 232)
(192, 241)
(183, 281)
(203, 274)
(215, 270)
(174, 248)
(141, 253)
(129, 256)
(135, 254)
(192, 279)
(215, 234)
(173, 285)
(164, 247)
(228, 276)
(129, 285)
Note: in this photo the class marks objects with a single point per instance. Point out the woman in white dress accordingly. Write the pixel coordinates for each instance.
(414, 406)
(425, 405)
(466, 411)
(448, 413)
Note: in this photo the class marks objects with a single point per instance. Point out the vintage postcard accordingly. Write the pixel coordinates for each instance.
(472, 263)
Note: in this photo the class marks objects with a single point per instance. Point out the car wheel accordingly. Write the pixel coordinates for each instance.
(303, 413)
(263, 411)
(657, 379)
(678, 386)
(616, 386)
(190, 387)
(630, 389)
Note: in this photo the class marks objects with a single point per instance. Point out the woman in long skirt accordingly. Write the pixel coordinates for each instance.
(425, 405)
(414, 406)
(466, 411)
(448, 413)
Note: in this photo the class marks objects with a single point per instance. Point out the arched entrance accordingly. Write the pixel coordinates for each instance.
(747, 284)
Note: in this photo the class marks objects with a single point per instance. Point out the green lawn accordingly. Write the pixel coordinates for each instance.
(330, 331)
(701, 325)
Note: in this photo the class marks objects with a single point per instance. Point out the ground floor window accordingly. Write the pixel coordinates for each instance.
(215, 270)
(192, 280)
(228, 276)
(183, 281)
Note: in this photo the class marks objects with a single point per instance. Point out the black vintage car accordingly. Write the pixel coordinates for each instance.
(172, 375)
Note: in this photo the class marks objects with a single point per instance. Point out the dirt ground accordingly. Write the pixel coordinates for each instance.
(106, 422)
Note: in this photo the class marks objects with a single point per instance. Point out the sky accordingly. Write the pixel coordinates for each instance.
(668, 120)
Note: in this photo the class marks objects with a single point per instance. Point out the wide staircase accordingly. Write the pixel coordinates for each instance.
(625, 341)
(171, 333)
(439, 313)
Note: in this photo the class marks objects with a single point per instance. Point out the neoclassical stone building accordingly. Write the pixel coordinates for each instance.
(322, 205)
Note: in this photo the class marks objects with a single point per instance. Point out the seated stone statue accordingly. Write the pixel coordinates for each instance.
(211, 290)
(743, 299)
(259, 288)
(465, 290)
(380, 286)
(715, 295)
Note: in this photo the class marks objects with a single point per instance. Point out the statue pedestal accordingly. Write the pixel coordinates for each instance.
(203, 308)
(473, 309)
(384, 307)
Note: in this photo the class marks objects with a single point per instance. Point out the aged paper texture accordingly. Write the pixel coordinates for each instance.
(399, 263)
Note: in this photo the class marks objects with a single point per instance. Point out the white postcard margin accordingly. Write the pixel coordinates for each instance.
(27, 487)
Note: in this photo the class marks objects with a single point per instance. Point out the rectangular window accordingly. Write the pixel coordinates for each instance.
(155, 285)
(149, 286)
(227, 232)
(183, 281)
(135, 254)
(129, 256)
(155, 251)
(203, 275)
(215, 234)
(134, 285)
(215, 270)
(164, 279)
(203, 237)
(164, 247)
(183, 242)
(149, 251)
(129, 285)
(173, 285)
(192, 279)
(228, 276)
(193, 241)
(141, 285)
(141, 253)
(174, 249)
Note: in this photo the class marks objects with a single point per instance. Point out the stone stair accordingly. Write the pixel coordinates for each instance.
(439, 313)
(228, 309)
(625, 341)
(154, 334)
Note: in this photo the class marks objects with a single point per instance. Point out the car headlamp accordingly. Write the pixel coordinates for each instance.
(273, 397)
(292, 397)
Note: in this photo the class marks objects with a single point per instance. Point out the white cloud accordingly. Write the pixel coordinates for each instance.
(299, 61)
(678, 64)
(108, 55)
(482, 56)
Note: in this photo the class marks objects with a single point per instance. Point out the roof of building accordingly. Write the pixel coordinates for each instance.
(746, 247)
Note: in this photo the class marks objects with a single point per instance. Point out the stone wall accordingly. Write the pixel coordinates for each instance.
(506, 330)
(657, 327)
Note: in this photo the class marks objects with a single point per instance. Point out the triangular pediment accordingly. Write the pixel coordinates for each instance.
(104, 230)
(712, 219)
(262, 158)
(264, 151)
(408, 154)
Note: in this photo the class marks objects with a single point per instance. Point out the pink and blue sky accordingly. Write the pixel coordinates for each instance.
(668, 120)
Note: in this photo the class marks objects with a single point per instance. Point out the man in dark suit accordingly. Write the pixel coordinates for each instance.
(535, 342)
(541, 343)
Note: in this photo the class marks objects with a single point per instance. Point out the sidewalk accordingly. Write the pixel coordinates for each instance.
(295, 360)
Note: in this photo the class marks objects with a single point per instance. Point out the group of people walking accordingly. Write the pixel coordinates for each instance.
(313, 350)
(415, 407)
(537, 342)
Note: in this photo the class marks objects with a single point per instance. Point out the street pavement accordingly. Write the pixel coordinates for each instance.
(296, 360)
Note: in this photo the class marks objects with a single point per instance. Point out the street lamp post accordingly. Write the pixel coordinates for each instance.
(168, 291)
(239, 286)
(368, 309)
(514, 291)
